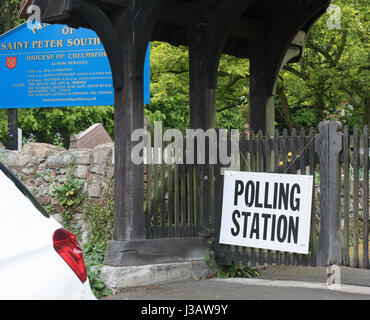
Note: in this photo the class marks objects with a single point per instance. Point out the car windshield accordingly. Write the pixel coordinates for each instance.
(23, 190)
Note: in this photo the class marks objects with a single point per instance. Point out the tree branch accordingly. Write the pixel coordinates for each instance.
(299, 74)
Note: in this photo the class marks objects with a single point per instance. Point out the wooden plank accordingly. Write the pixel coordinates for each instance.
(171, 210)
(329, 147)
(302, 260)
(365, 206)
(267, 152)
(311, 160)
(198, 197)
(356, 177)
(190, 195)
(284, 147)
(163, 199)
(184, 220)
(276, 170)
(260, 167)
(156, 194)
(293, 169)
(346, 162)
(148, 226)
(176, 200)
(313, 215)
(244, 166)
(276, 152)
(252, 155)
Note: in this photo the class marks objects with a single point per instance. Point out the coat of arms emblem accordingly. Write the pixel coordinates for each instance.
(11, 62)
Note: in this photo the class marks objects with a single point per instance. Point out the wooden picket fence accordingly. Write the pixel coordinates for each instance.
(355, 198)
(186, 200)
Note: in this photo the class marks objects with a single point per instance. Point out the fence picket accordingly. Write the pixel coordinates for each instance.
(356, 166)
(267, 152)
(346, 165)
(277, 169)
(365, 166)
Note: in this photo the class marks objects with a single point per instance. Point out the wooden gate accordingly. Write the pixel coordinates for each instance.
(186, 200)
(289, 154)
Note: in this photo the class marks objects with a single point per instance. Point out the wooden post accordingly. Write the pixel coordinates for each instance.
(328, 146)
(206, 42)
(262, 109)
(202, 97)
(202, 111)
(13, 129)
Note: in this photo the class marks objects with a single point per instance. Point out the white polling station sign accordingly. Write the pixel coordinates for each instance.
(267, 211)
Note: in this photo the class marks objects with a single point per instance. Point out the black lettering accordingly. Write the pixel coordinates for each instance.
(282, 230)
(258, 205)
(266, 217)
(295, 207)
(293, 229)
(236, 223)
(273, 228)
(266, 204)
(249, 189)
(284, 195)
(239, 188)
(245, 215)
(255, 227)
(276, 186)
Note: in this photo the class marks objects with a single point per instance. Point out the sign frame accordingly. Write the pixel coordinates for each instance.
(267, 211)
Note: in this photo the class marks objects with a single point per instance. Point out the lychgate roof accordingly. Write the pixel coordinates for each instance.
(177, 15)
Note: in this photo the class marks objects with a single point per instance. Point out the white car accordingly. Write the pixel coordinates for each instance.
(39, 259)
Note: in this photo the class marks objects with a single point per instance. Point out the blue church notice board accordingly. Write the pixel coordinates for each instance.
(56, 66)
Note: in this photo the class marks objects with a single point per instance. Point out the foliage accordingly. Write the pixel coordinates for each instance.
(238, 271)
(170, 88)
(228, 271)
(332, 79)
(69, 196)
(100, 217)
(330, 82)
(58, 140)
(31, 138)
(8, 15)
(49, 124)
(97, 285)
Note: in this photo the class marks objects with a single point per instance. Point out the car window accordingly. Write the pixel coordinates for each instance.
(23, 190)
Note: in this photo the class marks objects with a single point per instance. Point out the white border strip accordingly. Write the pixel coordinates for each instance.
(300, 284)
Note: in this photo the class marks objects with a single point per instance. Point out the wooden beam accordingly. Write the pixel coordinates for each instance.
(100, 23)
(22, 14)
(187, 15)
(119, 3)
(247, 28)
(183, 14)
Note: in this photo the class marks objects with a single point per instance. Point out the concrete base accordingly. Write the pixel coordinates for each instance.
(119, 278)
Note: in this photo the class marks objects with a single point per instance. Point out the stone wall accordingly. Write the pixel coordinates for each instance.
(41, 166)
